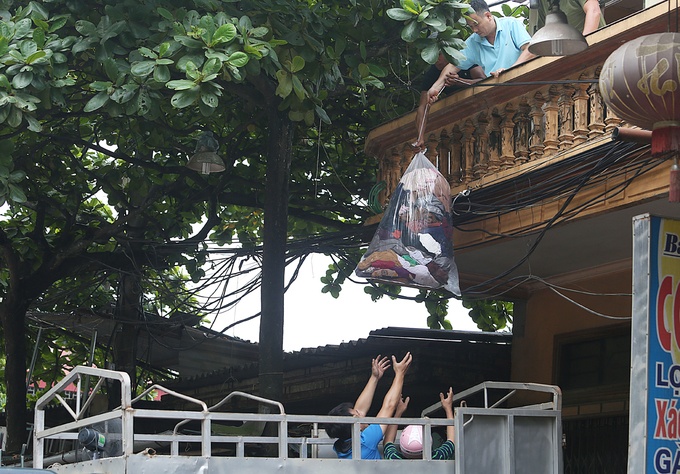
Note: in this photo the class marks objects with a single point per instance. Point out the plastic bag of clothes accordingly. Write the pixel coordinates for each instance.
(413, 245)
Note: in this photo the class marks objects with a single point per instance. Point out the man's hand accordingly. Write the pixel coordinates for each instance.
(433, 94)
(447, 402)
(379, 365)
(452, 78)
(401, 407)
(402, 366)
(497, 72)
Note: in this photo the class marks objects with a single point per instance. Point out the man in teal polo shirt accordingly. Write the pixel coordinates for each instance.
(497, 44)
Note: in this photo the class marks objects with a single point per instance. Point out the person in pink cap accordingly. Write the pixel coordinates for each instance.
(411, 439)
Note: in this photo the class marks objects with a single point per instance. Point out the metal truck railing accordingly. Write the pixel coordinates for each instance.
(202, 439)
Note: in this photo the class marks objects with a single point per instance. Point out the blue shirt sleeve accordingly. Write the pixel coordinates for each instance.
(370, 439)
(471, 54)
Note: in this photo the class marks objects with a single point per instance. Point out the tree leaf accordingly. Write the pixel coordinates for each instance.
(430, 54)
(238, 59)
(16, 194)
(400, 14)
(224, 34)
(377, 70)
(410, 32)
(165, 13)
(142, 68)
(23, 79)
(96, 102)
(161, 74)
(298, 64)
(285, 86)
(322, 114)
(180, 84)
(100, 86)
(33, 124)
(298, 88)
(14, 118)
(184, 98)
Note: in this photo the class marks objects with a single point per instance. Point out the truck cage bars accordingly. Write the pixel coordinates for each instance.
(489, 438)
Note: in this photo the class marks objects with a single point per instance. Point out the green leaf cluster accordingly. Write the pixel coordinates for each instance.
(490, 315)
(433, 26)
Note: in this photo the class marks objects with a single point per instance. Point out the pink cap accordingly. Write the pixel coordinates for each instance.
(411, 441)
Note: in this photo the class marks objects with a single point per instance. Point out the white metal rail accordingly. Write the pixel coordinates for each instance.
(305, 448)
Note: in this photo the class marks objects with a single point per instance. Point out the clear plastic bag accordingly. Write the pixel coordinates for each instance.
(413, 245)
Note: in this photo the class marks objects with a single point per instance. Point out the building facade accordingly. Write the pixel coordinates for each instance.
(545, 182)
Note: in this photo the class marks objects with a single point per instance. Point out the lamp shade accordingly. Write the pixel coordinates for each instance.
(557, 37)
(639, 83)
(206, 162)
(205, 159)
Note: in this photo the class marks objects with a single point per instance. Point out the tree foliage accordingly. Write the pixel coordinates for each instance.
(101, 103)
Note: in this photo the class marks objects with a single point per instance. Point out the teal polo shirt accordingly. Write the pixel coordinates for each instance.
(510, 37)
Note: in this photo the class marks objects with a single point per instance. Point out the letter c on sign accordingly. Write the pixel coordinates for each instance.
(664, 333)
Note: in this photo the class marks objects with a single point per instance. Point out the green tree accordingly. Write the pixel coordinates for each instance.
(102, 101)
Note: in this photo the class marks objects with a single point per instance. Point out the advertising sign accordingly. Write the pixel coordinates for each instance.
(654, 444)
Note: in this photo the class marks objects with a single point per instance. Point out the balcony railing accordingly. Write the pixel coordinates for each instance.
(531, 114)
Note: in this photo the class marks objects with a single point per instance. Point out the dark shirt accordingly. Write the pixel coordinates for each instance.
(445, 451)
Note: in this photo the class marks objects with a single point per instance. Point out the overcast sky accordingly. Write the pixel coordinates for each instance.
(315, 319)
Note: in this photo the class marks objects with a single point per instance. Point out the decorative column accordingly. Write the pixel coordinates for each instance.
(537, 133)
(566, 118)
(581, 113)
(611, 121)
(405, 156)
(522, 132)
(391, 173)
(468, 150)
(551, 123)
(482, 146)
(494, 142)
(507, 144)
(456, 152)
(444, 155)
(597, 111)
(431, 152)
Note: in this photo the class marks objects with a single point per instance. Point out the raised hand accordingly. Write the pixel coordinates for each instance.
(447, 402)
(402, 366)
(402, 406)
(379, 365)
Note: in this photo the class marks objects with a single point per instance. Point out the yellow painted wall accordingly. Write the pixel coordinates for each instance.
(549, 315)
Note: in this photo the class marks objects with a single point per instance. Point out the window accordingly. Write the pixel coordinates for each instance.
(594, 360)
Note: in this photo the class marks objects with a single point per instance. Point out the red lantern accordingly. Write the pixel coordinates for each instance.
(639, 83)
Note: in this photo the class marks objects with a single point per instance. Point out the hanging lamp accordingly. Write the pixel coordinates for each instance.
(557, 37)
(205, 159)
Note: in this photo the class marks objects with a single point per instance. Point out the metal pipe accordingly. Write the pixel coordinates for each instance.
(33, 359)
(635, 135)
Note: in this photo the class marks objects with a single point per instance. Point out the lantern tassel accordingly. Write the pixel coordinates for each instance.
(674, 184)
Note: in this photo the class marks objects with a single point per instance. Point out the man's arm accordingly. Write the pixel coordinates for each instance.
(391, 431)
(447, 405)
(440, 83)
(365, 399)
(393, 395)
(593, 14)
(421, 119)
